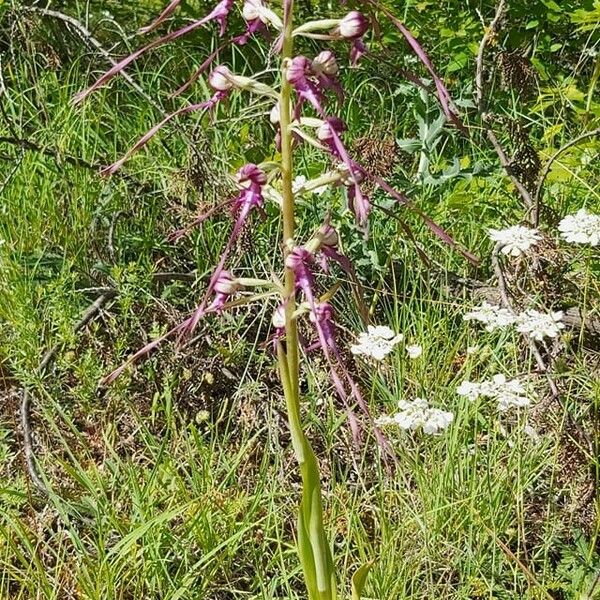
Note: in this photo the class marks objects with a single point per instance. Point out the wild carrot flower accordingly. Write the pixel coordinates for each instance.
(377, 342)
(299, 183)
(506, 393)
(414, 351)
(417, 414)
(538, 325)
(581, 228)
(469, 390)
(492, 316)
(515, 240)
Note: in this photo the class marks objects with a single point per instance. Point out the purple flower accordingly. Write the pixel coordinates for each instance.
(325, 133)
(312, 78)
(253, 10)
(299, 260)
(358, 50)
(221, 79)
(325, 64)
(225, 286)
(257, 17)
(219, 14)
(322, 313)
(353, 26)
(252, 174)
(299, 70)
(329, 133)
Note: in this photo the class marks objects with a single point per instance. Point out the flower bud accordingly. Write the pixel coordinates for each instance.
(251, 173)
(298, 69)
(252, 10)
(278, 318)
(352, 26)
(275, 114)
(350, 177)
(329, 235)
(226, 284)
(221, 79)
(325, 63)
(255, 10)
(324, 133)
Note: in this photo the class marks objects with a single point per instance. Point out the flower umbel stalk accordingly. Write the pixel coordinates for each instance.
(313, 547)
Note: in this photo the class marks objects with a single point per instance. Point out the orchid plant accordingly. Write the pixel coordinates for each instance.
(302, 97)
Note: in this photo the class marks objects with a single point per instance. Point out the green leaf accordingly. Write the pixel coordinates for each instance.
(359, 579)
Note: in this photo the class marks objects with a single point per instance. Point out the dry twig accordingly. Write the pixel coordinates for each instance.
(490, 32)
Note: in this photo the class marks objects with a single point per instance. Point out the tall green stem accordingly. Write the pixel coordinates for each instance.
(313, 547)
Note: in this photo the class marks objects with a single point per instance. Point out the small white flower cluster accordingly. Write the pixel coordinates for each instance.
(507, 393)
(377, 342)
(581, 228)
(492, 316)
(537, 325)
(414, 351)
(417, 414)
(515, 240)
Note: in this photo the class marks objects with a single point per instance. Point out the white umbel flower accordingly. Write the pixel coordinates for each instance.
(469, 390)
(418, 415)
(377, 342)
(515, 240)
(414, 351)
(581, 228)
(507, 393)
(492, 316)
(538, 325)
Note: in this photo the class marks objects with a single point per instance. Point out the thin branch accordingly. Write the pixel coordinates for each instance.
(499, 272)
(540, 186)
(490, 32)
(75, 161)
(507, 303)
